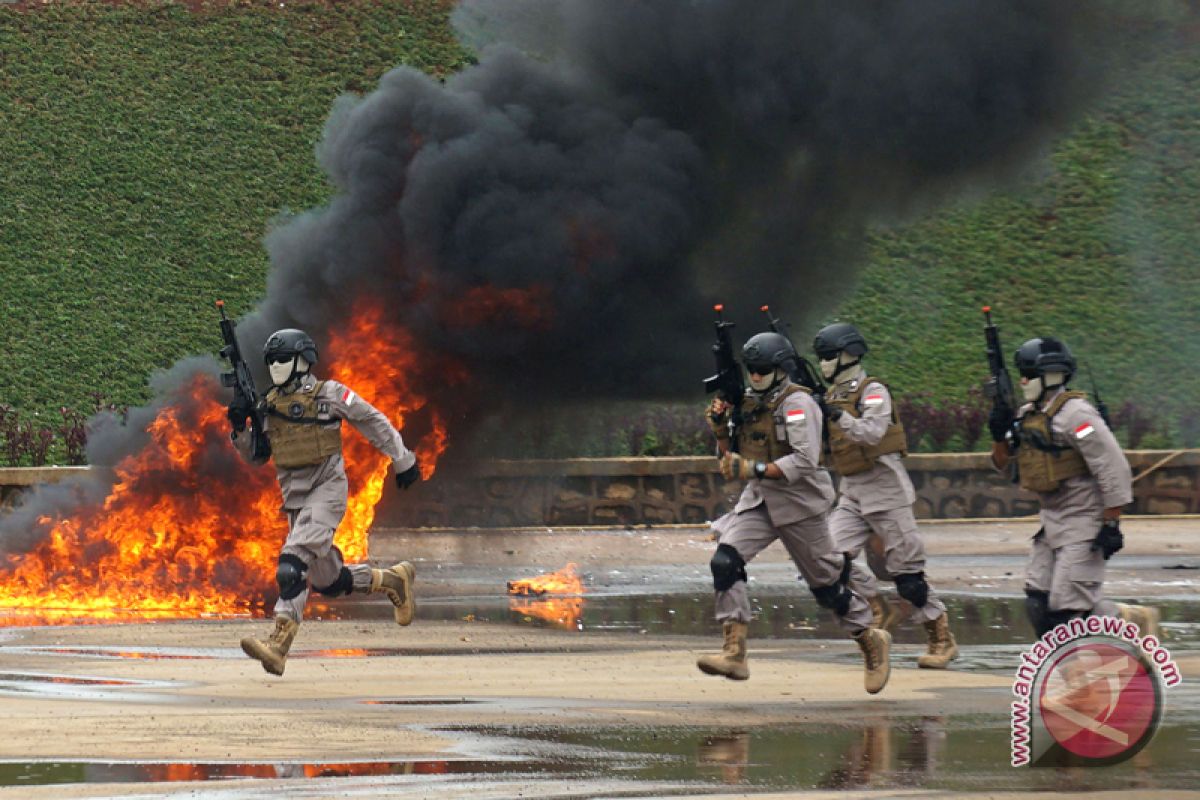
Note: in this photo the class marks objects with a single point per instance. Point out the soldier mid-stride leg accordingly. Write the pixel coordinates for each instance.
(743, 536)
(310, 560)
(901, 560)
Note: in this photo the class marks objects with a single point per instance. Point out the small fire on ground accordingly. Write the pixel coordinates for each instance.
(556, 597)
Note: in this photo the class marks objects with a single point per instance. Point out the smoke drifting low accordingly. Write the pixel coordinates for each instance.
(559, 218)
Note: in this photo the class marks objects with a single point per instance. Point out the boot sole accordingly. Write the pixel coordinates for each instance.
(711, 670)
(255, 650)
(945, 664)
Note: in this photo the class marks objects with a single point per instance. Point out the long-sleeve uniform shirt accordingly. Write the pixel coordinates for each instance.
(886, 485)
(325, 483)
(1073, 512)
(807, 489)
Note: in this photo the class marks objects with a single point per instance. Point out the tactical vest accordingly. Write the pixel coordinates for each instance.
(848, 457)
(763, 434)
(1041, 464)
(301, 430)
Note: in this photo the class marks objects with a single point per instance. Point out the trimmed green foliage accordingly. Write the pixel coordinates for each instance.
(146, 149)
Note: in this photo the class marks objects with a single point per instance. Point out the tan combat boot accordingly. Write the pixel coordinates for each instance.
(883, 614)
(942, 647)
(273, 652)
(1145, 617)
(876, 646)
(396, 582)
(731, 661)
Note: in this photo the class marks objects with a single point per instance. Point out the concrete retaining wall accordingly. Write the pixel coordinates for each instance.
(637, 491)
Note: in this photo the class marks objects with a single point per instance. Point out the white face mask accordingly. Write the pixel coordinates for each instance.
(1033, 388)
(829, 366)
(760, 383)
(282, 373)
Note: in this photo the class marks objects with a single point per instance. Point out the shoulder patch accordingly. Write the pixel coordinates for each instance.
(347, 398)
(1085, 430)
(796, 415)
(873, 400)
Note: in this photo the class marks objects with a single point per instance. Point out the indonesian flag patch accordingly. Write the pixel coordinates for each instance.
(347, 398)
(873, 400)
(796, 415)
(1085, 430)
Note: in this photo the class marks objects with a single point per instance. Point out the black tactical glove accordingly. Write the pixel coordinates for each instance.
(409, 476)
(1000, 422)
(1110, 539)
(237, 414)
(830, 413)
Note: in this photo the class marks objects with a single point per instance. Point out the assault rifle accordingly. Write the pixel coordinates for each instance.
(728, 383)
(801, 370)
(999, 387)
(1101, 406)
(242, 383)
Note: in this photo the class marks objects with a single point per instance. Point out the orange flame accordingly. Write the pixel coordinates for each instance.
(188, 527)
(564, 608)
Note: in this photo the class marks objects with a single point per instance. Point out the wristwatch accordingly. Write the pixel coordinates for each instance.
(760, 470)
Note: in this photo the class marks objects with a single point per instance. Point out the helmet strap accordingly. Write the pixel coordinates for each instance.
(844, 368)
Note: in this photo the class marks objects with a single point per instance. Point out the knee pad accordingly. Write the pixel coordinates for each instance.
(1037, 608)
(343, 585)
(835, 596)
(290, 575)
(728, 567)
(913, 588)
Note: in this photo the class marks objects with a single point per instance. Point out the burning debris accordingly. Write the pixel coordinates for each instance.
(556, 597)
(505, 239)
(565, 581)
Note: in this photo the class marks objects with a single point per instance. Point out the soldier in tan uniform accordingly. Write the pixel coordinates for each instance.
(304, 426)
(787, 497)
(865, 444)
(1066, 453)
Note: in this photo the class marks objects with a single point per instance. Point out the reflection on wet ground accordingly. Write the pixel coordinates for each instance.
(933, 753)
(976, 619)
(78, 687)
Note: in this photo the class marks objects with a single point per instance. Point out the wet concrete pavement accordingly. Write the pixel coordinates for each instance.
(492, 696)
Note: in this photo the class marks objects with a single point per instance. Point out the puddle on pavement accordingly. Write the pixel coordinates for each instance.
(932, 753)
(976, 620)
(54, 772)
(77, 687)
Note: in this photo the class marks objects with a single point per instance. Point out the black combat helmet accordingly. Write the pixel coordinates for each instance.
(837, 338)
(766, 352)
(290, 342)
(1038, 356)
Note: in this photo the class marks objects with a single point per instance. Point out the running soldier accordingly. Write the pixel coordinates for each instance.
(1068, 456)
(865, 444)
(787, 497)
(303, 422)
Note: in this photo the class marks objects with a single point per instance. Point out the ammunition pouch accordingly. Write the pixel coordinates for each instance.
(1042, 465)
(301, 429)
(763, 434)
(847, 457)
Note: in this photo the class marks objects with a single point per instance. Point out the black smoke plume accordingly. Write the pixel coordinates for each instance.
(560, 217)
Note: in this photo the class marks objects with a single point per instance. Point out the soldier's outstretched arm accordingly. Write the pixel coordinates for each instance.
(876, 406)
(370, 422)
